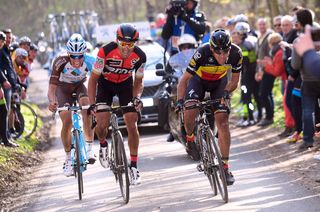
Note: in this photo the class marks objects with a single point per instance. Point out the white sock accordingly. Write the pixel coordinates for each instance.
(89, 146)
(68, 155)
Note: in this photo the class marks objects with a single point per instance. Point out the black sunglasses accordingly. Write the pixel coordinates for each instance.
(221, 51)
(75, 56)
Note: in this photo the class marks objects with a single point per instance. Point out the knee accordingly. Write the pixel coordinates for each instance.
(101, 125)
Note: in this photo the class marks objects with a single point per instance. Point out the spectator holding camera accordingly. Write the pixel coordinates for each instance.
(182, 18)
(310, 88)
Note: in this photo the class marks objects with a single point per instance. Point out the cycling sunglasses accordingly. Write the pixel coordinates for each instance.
(221, 51)
(76, 56)
(126, 44)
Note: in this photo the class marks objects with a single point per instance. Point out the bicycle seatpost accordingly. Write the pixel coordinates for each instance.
(74, 98)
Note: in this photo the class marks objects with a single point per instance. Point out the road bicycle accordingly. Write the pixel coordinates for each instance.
(79, 155)
(23, 120)
(117, 155)
(210, 156)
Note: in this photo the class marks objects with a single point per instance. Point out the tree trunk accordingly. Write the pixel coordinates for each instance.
(273, 8)
(116, 10)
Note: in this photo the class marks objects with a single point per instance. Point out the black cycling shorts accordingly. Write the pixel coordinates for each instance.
(64, 92)
(107, 90)
(197, 88)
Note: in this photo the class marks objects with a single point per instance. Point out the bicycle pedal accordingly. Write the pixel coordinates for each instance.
(200, 168)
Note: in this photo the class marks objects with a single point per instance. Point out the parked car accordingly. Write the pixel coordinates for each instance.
(153, 84)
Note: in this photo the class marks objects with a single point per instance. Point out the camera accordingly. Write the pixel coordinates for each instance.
(315, 34)
(176, 7)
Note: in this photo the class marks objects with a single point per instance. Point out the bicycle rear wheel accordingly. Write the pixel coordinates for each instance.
(30, 120)
(207, 161)
(78, 172)
(122, 166)
(217, 165)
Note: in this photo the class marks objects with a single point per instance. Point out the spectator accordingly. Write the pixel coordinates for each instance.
(8, 82)
(249, 86)
(182, 19)
(266, 79)
(206, 36)
(310, 88)
(277, 24)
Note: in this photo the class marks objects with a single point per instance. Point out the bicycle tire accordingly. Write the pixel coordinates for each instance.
(122, 166)
(217, 166)
(30, 120)
(78, 164)
(204, 157)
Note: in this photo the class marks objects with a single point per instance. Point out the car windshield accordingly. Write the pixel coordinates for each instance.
(152, 62)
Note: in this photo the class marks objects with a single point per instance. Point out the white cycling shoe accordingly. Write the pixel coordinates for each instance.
(68, 168)
(103, 157)
(135, 178)
(91, 156)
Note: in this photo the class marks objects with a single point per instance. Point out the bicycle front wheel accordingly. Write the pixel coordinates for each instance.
(206, 161)
(217, 165)
(30, 120)
(122, 166)
(78, 172)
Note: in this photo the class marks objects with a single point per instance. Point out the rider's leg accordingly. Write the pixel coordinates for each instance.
(66, 131)
(87, 122)
(189, 120)
(222, 122)
(131, 119)
(102, 126)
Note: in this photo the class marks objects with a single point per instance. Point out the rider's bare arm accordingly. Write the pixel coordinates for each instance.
(137, 86)
(182, 86)
(92, 87)
(233, 83)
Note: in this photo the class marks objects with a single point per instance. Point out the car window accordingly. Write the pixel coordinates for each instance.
(152, 62)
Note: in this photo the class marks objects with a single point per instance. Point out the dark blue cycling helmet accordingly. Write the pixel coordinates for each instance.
(220, 39)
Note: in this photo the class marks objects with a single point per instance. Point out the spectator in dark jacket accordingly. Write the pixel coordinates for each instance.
(310, 88)
(183, 19)
(5, 87)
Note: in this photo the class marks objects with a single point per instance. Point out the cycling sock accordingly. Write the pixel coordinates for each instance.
(133, 159)
(190, 138)
(103, 143)
(68, 155)
(89, 145)
(225, 161)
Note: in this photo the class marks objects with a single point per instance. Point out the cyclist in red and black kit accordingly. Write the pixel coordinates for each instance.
(208, 71)
(118, 71)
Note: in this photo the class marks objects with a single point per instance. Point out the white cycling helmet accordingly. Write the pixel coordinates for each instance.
(242, 28)
(76, 44)
(187, 39)
(21, 52)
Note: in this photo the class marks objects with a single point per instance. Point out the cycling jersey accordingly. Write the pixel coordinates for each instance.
(63, 71)
(204, 64)
(114, 68)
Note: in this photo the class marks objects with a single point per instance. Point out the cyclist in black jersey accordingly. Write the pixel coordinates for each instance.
(208, 71)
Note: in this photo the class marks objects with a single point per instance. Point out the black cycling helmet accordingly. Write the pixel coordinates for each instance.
(128, 33)
(34, 47)
(2, 36)
(13, 46)
(220, 39)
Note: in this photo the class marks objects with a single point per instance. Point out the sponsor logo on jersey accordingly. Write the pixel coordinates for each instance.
(114, 62)
(192, 62)
(119, 70)
(197, 55)
(99, 63)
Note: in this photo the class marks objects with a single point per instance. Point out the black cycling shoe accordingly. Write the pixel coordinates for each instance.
(170, 138)
(193, 151)
(229, 177)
